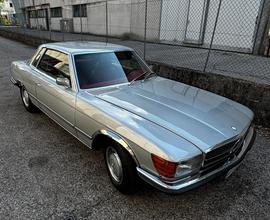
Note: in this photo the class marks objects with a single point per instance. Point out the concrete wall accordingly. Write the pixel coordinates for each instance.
(137, 26)
(95, 23)
(55, 24)
(153, 19)
(236, 25)
(39, 23)
(119, 17)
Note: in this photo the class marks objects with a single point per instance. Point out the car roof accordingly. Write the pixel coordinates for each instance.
(77, 47)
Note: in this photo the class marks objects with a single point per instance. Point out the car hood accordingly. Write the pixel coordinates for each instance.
(203, 118)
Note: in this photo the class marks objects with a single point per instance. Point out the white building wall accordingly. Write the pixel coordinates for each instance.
(153, 19)
(6, 9)
(119, 19)
(55, 24)
(173, 20)
(137, 24)
(95, 23)
(124, 16)
(236, 24)
(33, 23)
(39, 23)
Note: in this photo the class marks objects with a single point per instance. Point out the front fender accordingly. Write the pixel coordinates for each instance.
(117, 138)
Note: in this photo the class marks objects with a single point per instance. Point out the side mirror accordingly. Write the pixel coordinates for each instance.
(63, 81)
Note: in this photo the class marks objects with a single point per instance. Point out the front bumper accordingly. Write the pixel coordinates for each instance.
(14, 81)
(188, 184)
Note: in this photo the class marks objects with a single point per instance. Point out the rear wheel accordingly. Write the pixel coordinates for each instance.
(121, 169)
(27, 101)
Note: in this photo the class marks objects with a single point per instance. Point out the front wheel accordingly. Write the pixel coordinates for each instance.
(27, 101)
(121, 169)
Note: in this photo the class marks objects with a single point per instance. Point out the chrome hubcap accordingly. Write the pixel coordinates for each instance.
(114, 164)
(25, 98)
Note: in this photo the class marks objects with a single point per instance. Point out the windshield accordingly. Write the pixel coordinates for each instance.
(108, 68)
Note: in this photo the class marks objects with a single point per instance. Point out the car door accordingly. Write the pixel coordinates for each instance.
(55, 100)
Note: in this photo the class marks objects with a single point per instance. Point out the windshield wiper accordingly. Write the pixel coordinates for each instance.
(149, 74)
(132, 81)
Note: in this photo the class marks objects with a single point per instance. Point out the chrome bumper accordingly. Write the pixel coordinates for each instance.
(193, 182)
(14, 81)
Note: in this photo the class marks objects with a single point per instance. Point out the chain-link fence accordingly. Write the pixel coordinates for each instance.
(226, 37)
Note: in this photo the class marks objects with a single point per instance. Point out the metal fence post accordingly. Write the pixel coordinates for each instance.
(81, 21)
(263, 26)
(50, 24)
(24, 31)
(145, 29)
(106, 14)
(213, 35)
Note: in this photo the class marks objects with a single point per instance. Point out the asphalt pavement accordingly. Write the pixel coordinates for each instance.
(45, 173)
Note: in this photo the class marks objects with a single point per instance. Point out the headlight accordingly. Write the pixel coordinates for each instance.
(189, 167)
(169, 169)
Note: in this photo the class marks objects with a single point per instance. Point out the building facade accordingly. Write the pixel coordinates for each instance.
(182, 22)
(7, 9)
(112, 17)
(193, 21)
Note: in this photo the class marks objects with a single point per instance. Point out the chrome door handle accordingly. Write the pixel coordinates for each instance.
(38, 84)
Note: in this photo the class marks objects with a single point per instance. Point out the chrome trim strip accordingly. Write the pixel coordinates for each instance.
(13, 80)
(75, 72)
(124, 48)
(82, 132)
(32, 96)
(102, 87)
(189, 184)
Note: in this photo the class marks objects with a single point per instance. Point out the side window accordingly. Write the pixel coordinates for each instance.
(55, 64)
(37, 56)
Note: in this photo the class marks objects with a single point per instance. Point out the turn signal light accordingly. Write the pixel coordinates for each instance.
(164, 168)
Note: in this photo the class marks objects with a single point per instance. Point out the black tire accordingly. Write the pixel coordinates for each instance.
(129, 180)
(27, 103)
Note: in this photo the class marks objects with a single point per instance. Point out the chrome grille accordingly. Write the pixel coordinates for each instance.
(219, 156)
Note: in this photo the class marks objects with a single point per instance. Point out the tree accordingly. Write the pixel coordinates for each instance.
(1, 6)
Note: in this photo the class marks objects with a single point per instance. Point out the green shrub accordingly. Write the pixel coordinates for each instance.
(4, 20)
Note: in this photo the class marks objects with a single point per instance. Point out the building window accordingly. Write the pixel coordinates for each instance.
(33, 14)
(11, 5)
(41, 13)
(80, 10)
(56, 12)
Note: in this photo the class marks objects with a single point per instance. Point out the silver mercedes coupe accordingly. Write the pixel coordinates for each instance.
(171, 135)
